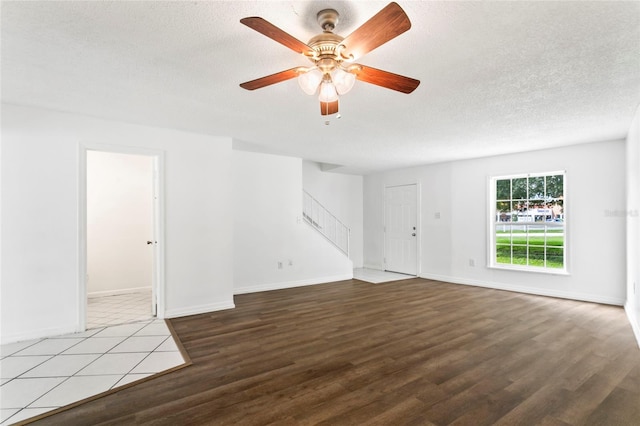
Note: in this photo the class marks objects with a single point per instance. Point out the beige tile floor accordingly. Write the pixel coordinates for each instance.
(44, 374)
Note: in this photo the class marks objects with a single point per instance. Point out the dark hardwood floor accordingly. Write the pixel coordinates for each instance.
(414, 352)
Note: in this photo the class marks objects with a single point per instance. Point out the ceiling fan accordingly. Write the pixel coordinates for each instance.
(334, 71)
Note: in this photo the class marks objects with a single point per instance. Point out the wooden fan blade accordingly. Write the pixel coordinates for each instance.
(328, 108)
(386, 79)
(387, 24)
(267, 28)
(270, 79)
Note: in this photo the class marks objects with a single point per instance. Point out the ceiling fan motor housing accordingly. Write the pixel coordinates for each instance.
(326, 45)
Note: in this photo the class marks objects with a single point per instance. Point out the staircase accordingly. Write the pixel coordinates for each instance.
(316, 215)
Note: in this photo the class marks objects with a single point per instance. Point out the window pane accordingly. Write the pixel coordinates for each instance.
(519, 255)
(536, 187)
(503, 254)
(503, 243)
(503, 235)
(536, 238)
(503, 210)
(539, 210)
(519, 237)
(536, 255)
(503, 189)
(555, 257)
(555, 187)
(519, 189)
(556, 240)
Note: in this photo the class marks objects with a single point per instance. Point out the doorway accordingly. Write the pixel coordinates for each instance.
(401, 229)
(121, 214)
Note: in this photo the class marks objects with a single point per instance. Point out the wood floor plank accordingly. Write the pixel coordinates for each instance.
(415, 351)
(621, 407)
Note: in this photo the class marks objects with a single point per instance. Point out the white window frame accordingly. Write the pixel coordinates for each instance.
(493, 223)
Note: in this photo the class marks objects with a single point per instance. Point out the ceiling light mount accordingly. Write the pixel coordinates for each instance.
(328, 19)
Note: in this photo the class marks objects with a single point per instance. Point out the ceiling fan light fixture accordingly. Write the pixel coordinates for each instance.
(310, 80)
(343, 80)
(328, 91)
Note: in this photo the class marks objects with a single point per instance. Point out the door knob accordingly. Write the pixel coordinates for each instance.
(413, 235)
(149, 242)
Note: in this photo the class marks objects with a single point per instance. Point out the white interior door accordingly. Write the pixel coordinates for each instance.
(401, 229)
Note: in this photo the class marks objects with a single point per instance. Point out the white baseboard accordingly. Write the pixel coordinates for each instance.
(291, 284)
(633, 320)
(117, 292)
(527, 290)
(200, 309)
(38, 334)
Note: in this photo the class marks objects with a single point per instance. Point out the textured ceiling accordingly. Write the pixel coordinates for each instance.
(497, 77)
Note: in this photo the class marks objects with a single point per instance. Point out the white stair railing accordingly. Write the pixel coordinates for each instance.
(316, 215)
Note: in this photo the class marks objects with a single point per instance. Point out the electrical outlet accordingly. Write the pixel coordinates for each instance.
(436, 215)
(472, 262)
(279, 265)
(290, 262)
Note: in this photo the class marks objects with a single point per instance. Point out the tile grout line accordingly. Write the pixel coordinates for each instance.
(148, 354)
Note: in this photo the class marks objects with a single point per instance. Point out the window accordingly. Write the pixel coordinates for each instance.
(528, 222)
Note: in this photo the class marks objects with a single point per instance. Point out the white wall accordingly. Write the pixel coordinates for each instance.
(633, 226)
(342, 195)
(268, 228)
(40, 217)
(595, 187)
(119, 222)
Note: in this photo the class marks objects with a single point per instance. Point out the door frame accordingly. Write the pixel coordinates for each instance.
(158, 277)
(418, 224)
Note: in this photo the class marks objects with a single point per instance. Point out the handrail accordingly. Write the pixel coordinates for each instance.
(321, 219)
